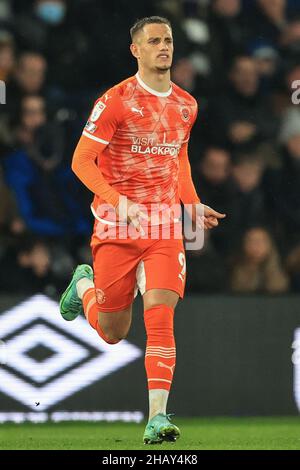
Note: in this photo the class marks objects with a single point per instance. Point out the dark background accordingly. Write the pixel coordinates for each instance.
(238, 58)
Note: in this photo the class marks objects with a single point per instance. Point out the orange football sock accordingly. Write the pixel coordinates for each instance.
(160, 356)
(91, 310)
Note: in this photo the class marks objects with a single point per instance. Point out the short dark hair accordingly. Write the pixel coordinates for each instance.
(139, 24)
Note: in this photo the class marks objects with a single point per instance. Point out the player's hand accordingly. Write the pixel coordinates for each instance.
(130, 212)
(206, 217)
(212, 217)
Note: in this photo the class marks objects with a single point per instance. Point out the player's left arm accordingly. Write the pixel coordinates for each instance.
(187, 191)
(201, 213)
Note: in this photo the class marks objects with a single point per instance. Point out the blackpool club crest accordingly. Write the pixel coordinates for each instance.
(100, 296)
(185, 113)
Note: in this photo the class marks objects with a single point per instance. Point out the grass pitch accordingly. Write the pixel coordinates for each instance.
(196, 434)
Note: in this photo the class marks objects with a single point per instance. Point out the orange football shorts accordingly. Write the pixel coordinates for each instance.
(124, 266)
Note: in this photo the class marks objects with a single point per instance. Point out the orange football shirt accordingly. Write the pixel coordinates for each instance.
(142, 133)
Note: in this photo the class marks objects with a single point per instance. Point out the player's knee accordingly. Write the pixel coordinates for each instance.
(151, 304)
(155, 297)
(115, 336)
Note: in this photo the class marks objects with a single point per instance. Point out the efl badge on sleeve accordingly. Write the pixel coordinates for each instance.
(91, 127)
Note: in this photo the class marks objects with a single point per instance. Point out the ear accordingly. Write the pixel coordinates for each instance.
(134, 50)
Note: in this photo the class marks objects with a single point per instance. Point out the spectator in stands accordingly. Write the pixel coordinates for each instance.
(33, 24)
(268, 20)
(290, 40)
(212, 179)
(257, 267)
(11, 223)
(184, 74)
(227, 35)
(282, 185)
(248, 206)
(241, 117)
(45, 189)
(30, 73)
(292, 76)
(7, 56)
(7, 63)
(266, 58)
(48, 28)
(206, 269)
(29, 78)
(27, 265)
(283, 92)
(215, 187)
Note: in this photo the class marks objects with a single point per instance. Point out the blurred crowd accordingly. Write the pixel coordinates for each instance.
(241, 61)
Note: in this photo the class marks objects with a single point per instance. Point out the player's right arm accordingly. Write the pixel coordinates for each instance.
(98, 132)
(96, 135)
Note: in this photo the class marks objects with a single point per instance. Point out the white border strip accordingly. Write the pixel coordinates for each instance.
(120, 224)
(107, 222)
(159, 380)
(150, 90)
(97, 139)
(61, 416)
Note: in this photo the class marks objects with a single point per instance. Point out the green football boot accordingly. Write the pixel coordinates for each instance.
(70, 304)
(160, 429)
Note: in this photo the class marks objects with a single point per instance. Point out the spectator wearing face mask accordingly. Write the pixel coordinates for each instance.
(33, 24)
(48, 28)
